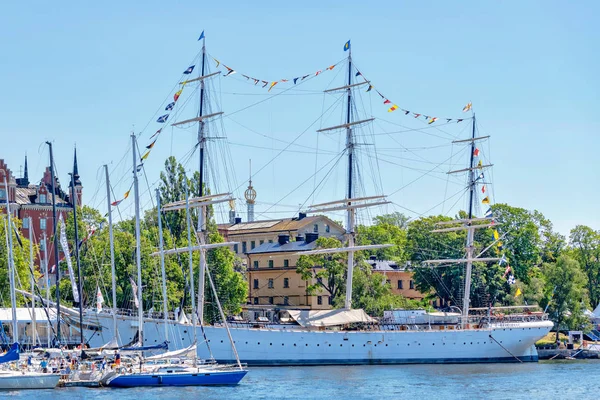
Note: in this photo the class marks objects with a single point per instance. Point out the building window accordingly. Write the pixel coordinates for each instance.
(412, 284)
(256, 284)
(286, 283)
(388, 282)
(236, 248)
(400, 284)
(43, 223)
(252, 245)
(327, 228)
(330, 300)
(42, 199)
(25, 223)
(256, 300)
(2, 194)
(271, 283)
(261, 242)
(43, 246)
(319, 300)
(244, 247)
(286, 263)
(286, 301)
(316, 228)
(270, 240)
(255, 264)
(270, 263)
(270, 300)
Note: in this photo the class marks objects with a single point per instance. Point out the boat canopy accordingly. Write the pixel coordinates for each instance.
(321, 318)
(11, 355)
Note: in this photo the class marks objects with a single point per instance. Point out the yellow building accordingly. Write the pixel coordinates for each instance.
(399, 278)
(272, 276)
(251, 235)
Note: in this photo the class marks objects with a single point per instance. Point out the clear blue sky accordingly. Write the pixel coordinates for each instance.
(89, 73)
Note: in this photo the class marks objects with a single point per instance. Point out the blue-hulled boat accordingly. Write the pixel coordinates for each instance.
(177, 375)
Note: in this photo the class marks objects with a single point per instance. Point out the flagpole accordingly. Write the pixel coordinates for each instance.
(55, 237)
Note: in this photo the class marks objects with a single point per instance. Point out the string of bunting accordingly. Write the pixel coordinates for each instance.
(270, 83)
(429, 118)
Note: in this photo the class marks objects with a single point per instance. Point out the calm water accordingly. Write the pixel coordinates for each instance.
(560, 379)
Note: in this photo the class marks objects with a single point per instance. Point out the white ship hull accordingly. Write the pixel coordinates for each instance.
(500, 343)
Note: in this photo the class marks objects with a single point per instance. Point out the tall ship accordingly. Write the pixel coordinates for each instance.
(345, 335)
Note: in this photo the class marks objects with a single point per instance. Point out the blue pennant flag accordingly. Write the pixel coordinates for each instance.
(170, 106)
(189, 70)
(358, 74)
(347, 46)
(163, 118)
(201, 36)
(295, 79)
(488, 213)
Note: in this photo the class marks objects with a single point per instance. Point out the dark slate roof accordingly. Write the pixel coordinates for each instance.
(275, 247)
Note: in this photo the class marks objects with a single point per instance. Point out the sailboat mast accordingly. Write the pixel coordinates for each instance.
(350, 211)
(11, 265)
(188, 220)
(162, 265)
(112, 253)
(202, 211)
(74, 200)
(470, 231)
(31, 267)
(55, 237)
(47, 279)
(138, 253)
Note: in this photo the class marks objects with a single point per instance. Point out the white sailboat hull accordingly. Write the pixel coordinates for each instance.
(15, 380)
(509, 342)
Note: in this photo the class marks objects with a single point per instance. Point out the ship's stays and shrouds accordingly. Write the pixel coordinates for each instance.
(347, 336)
(339, 336)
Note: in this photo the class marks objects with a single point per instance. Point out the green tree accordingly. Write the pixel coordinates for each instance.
(384, 233)
(566, 294)
(324, 271)
(21, 259)
(396, 219)
(585, 248)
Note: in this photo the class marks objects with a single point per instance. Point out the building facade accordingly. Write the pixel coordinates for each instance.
(34, 200)
(398, 276)
(273, 280)
(250, 235)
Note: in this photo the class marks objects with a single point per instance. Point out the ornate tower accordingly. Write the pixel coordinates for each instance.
(77, 191)
(250, 195)
(24, 181)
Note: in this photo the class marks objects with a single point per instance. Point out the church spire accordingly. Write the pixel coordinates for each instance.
(26, 173)
(75, 169)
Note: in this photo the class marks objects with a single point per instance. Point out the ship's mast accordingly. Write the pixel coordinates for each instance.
(55, 237)
(470, 230)
(350, 203)
(138, 253)
(349, 211)
(467, 224)
(202, 211)
(112, 255)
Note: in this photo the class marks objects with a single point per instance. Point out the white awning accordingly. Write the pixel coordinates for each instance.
(321, 318)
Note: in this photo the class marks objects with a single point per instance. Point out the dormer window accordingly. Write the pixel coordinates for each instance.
(316, 228)
(42, 199)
